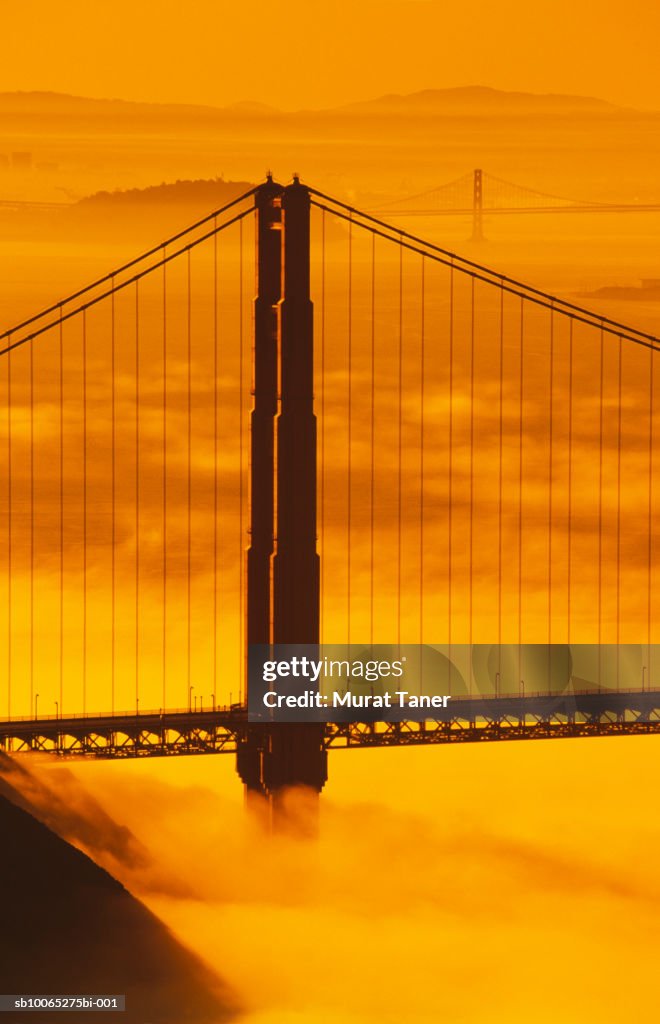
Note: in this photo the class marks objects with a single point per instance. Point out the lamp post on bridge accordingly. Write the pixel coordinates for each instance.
(36, 706)
(190, 693)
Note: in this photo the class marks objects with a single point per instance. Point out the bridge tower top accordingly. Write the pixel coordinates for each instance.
(478, 206)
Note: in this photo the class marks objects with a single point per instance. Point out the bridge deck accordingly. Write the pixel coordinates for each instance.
(468, 719)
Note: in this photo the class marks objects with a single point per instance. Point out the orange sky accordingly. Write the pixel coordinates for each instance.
(336, 50)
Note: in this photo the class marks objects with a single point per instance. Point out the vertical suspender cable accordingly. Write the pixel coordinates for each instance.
(450, 466)
(649, 567)
(551, 426)
(350, 430)
(471, 524)
(215, 453)
(600, 508)
(400, 454)
(9, 538)
(372, 475)
(500, 490)
(189, 467)
(322, 480)
(60, 706)
(618, 514)
(422, 410)
(113, 497)
(31, 526)
(520, 483)
(569, 552)
(241, 586)
(137, 496)
(84, 516)
(164, 490)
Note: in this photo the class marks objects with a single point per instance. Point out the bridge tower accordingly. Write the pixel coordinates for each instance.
(478, 206)
(283, 598)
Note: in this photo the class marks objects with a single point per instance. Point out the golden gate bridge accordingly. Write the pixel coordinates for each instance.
(483, 466)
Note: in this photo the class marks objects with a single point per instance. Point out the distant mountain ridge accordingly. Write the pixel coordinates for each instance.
(65, 103)
(472, 98)
(459, 100)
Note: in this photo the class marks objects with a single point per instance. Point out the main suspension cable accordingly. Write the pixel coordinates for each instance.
(118, 287)
(485, 274)
(56, 307)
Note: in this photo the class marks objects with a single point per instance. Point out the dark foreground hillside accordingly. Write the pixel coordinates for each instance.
(69, 928)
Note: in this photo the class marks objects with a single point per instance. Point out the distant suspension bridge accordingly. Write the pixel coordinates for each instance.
(477, 193)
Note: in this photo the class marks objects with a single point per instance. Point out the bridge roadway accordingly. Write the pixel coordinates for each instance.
(35, 206)
(487, 210)
(467, 719)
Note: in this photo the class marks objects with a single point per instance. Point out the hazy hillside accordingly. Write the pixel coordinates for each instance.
(70, 928)
(479, 100)
(205, 194)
